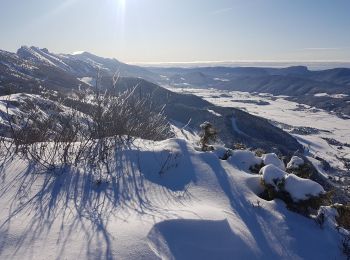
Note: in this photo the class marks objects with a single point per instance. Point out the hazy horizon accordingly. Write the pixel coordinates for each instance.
(312, 65)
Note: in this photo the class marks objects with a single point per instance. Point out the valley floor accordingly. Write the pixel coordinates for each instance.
(323, 134)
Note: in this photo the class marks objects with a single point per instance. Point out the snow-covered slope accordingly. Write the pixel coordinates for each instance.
(161, 200)
(37, 55)
(23, 108)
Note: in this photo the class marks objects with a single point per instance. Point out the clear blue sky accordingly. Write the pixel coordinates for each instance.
(181, 30)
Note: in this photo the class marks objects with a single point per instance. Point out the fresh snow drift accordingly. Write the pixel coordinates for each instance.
(197, 239)
(160, 200)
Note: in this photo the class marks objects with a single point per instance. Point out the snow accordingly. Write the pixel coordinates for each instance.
(38, 54)
(298, 188)
(12, 109)
(197, 239)
(220, 79)
(52, 58)
(243, 159)
(272, 158)
(88, 80)
(201, 207)
(214, 113)
(78, 52)
(289, 115)
(43, 55)
(236, 128)
(321, 94)
(330, 214)
(45, 108)
(295, 162)
(301, 189)
(272, 175)
(183, 131)
(332, 96)
(220, 151)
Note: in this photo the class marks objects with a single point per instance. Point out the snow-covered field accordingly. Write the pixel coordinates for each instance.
(162, 200)
(310, 126)
(167, 200)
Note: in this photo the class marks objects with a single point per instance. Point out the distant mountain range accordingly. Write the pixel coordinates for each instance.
(40, 67)
(326, 89)
(54, 76)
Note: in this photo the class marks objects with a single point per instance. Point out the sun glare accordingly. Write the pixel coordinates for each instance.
(122, 3)
(118, 8)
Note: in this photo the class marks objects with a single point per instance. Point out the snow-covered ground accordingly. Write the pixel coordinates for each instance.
(332, 96)
(23, 105)
(88, 80)
(167, 200)
(307, 124)
(162, 200)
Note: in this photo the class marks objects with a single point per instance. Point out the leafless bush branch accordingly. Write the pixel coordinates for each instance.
(57, 139)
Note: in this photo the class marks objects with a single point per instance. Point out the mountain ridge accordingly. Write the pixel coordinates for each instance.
(60, 83)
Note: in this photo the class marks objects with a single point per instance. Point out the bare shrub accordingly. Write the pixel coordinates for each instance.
(320, 219)
(67, 136)
(343, 218)
(208, 134)
(346, 246)
(303, 171)
(259, 152)
(239, 146)
(6, 151)
(170, 161)
(256, 168)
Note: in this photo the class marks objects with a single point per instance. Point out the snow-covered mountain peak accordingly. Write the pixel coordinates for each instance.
(42, 56)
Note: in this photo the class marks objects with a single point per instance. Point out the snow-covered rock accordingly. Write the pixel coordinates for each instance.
(301, 189)
(272, 158)
(272, 175)
(298, 188)
(244, 159)
(295, 162)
